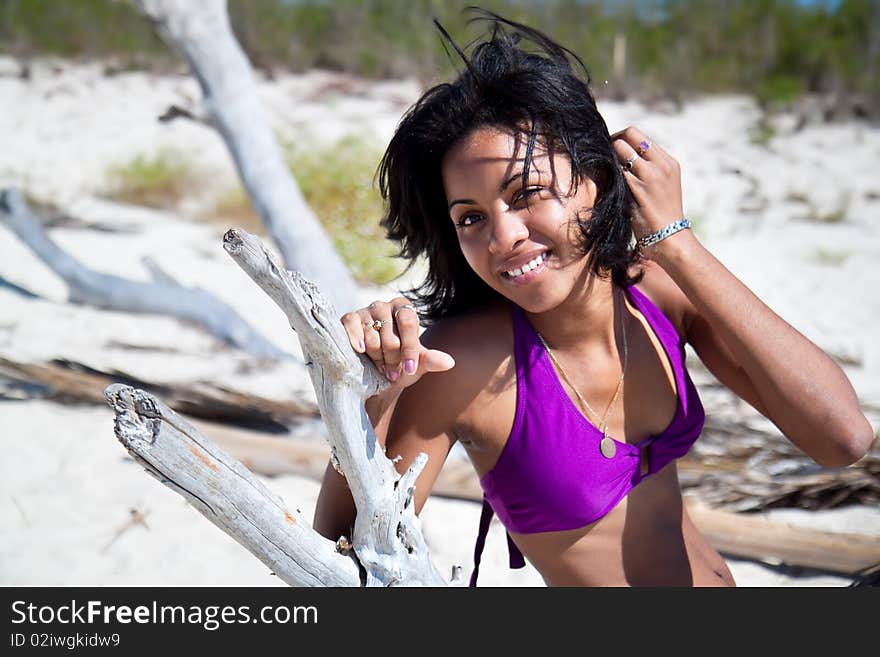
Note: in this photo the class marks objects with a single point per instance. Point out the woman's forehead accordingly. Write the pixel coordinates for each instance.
(490, 145)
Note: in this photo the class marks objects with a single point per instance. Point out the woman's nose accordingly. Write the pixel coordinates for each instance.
(508, 230)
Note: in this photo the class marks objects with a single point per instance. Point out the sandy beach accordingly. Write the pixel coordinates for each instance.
(793, 215)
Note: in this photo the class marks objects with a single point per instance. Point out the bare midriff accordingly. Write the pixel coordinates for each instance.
(648, 539)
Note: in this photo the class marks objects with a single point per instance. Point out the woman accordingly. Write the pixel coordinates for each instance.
(554, 351)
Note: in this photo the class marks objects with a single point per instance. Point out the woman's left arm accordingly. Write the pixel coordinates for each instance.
(741, 340)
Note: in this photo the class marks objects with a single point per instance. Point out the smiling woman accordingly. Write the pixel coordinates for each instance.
(494, 212)
(562, 287)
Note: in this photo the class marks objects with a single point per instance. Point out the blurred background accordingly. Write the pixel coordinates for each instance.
(771, 106)
(778, 50)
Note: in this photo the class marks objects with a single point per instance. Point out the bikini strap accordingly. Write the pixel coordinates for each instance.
(516, 558)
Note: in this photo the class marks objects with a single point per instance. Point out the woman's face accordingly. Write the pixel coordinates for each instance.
(520, 239)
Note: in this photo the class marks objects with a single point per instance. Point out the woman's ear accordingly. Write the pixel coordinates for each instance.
(592, 190)
(585, 194)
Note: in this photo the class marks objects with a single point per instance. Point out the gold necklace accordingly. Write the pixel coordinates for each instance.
(607, 445)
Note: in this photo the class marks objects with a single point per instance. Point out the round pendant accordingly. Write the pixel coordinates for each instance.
(608, 448)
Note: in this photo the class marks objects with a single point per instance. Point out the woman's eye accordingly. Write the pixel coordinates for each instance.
(525, 194)
(467, 220)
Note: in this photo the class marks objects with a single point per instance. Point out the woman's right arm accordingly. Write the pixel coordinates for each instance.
(403, 418)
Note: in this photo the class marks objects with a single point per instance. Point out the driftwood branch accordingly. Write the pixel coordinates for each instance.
(387, 547)
(760, 539)
(72, 381)
(225, 492)
(199, 30)
(162, 297)
(387, 534)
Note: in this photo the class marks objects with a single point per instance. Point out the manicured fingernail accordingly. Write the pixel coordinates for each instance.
(409, 366)
(394, 375)
(361, 346)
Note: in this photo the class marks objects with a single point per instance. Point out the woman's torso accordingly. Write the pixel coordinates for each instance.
(647, 538)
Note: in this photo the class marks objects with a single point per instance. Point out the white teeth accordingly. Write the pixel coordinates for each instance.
(529, 266)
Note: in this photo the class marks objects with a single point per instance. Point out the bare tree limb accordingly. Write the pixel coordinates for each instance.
(387, 547)
(163, 297)
(387, 535)
(225, 492)
(200, 31)
(71, 381)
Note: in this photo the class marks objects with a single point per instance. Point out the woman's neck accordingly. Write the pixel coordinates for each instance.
(586, 320)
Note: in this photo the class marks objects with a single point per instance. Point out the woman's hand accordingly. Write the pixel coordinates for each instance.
(388, 332)
(654, 177)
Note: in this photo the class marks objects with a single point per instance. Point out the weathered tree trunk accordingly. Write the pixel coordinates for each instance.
(164, 296)
(387, 543)
(200, 31)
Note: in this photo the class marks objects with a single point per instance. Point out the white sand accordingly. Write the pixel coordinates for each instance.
(67, 485)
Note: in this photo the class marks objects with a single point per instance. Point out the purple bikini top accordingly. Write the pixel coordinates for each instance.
(551, 475)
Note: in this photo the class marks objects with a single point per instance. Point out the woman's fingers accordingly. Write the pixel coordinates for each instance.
(434, 360)
(406, 321)
(390, 343)
(354, 327)
(639, 142)
(363, 335)
(377, 327)
(653, 176)
(636, 151)
(629, 158)
(388, 332)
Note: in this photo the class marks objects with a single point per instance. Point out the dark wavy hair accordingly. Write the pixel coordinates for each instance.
(534, 92)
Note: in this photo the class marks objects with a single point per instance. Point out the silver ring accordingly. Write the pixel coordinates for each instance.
(628, 165)
(406, 305)
(376, 324)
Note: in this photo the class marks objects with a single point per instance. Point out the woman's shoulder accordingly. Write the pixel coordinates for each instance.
(663, 292)
(480, 332)
(481, 343)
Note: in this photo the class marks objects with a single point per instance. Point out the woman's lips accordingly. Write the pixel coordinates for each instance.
(529, 276)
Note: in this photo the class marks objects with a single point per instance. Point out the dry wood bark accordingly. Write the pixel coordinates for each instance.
(164, 296)
(199, 30)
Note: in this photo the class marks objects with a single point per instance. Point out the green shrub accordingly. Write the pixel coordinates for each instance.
(337, 182)
(158, 181)
(778, 90)
(233, 209)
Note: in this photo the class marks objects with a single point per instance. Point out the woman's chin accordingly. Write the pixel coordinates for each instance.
(534, 301)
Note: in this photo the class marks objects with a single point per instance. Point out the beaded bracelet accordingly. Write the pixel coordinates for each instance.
(663, 233)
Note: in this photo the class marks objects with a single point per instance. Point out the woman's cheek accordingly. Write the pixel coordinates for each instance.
(470, 253)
